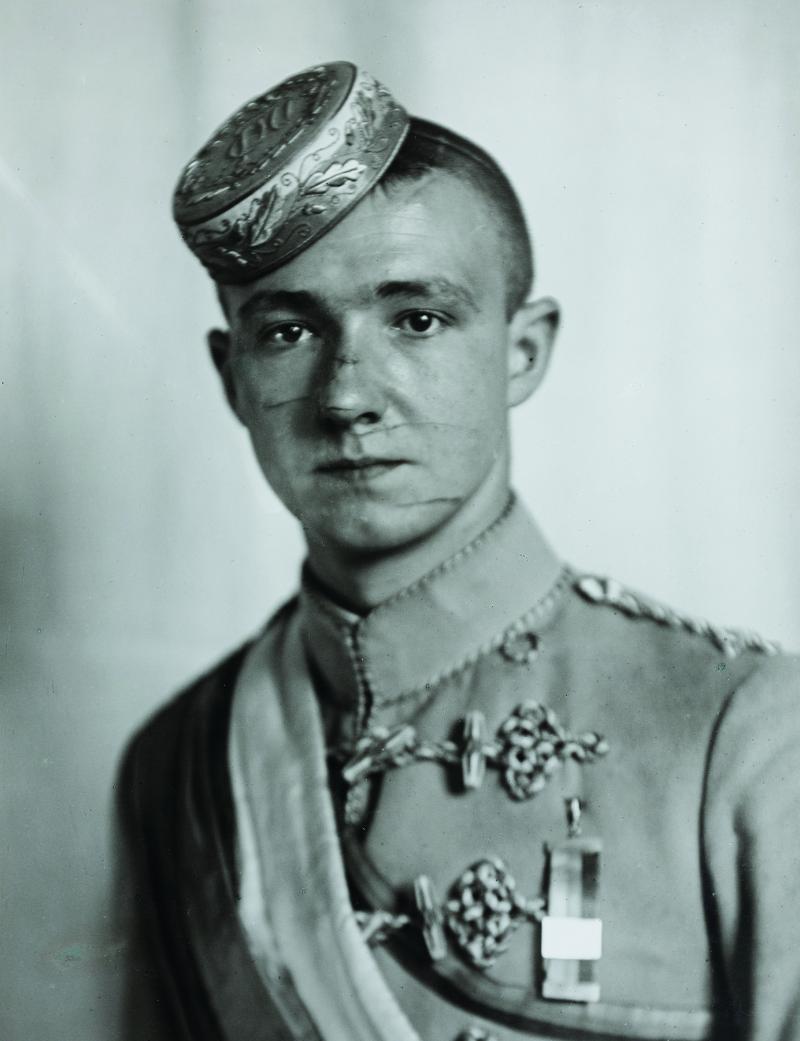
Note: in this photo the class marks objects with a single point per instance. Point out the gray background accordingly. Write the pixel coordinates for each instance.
(655, 148)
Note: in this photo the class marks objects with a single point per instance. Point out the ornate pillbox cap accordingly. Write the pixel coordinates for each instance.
(286, 167)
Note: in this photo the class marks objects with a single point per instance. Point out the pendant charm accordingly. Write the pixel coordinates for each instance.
(571, 938)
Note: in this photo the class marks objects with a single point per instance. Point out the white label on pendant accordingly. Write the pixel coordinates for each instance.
(578, 939)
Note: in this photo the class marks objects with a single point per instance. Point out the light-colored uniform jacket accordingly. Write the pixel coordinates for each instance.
(677, 741)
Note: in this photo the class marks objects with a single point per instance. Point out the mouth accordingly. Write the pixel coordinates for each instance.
(362, 468)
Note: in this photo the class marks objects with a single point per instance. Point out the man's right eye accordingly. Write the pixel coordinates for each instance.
(285, 334)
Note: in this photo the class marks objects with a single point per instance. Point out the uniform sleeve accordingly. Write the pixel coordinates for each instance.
(751, 844)
(144, 1016)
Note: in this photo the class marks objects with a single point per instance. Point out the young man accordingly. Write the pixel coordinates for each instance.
(454, 789)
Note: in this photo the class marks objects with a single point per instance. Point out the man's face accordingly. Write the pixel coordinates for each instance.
(372, 370)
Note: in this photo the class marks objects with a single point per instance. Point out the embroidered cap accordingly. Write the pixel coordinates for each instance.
(286, 167)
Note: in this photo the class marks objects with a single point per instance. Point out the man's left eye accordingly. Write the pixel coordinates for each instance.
(420, 323)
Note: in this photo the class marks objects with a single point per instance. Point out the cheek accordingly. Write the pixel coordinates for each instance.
(274, 408)
(466, 387)
(267, 384)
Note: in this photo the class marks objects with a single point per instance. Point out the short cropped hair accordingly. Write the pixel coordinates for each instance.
(428, 147)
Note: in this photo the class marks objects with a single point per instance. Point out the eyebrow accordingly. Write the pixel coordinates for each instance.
(277, 298)
(301, 299)
(427, 289)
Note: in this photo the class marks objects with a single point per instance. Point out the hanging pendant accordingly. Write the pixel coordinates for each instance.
(572, 935)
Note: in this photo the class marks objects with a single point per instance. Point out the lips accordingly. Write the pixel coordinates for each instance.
(363, 466)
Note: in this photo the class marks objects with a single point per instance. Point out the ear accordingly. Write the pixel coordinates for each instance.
(219, 344)
(531, 334)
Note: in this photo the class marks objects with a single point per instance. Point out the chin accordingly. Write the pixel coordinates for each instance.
(370, 528)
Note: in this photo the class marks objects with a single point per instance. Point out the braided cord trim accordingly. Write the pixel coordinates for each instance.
(610, 593)
(529, 746)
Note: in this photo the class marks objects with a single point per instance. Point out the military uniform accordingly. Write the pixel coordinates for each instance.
(512, 800)
(679, 739)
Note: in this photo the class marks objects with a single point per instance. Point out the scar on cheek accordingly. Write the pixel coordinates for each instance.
(424, 423)
(440, 424)
(267, 404)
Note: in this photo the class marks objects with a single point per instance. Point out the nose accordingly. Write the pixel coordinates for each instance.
(352, 390)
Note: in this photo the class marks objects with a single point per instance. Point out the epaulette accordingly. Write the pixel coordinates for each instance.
(731, 642)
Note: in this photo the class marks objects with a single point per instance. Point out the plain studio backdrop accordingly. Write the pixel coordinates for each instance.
(655, 149)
